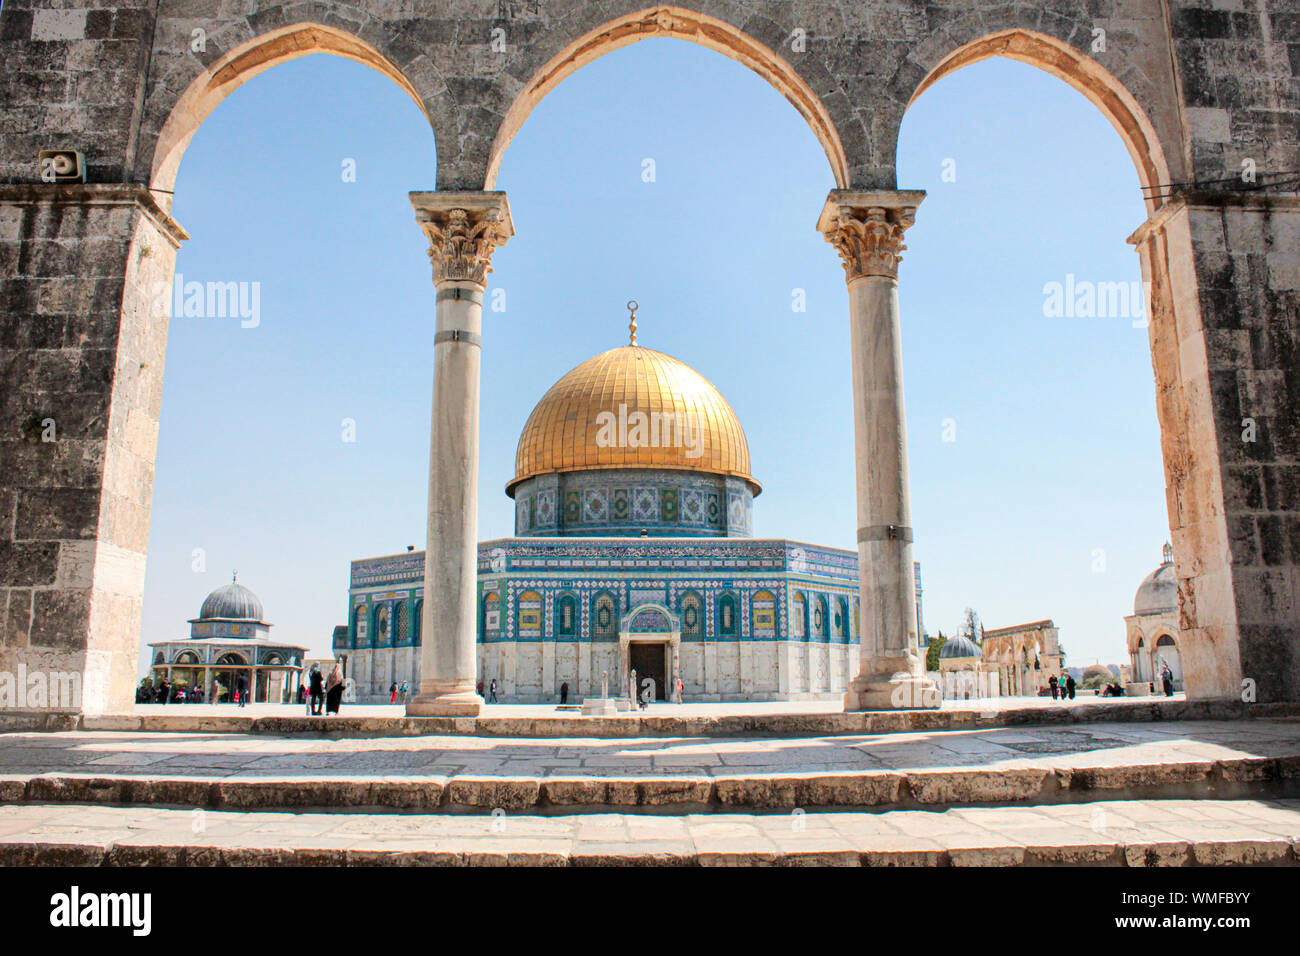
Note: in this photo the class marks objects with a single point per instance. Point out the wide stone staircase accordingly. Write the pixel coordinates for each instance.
(1117, 793)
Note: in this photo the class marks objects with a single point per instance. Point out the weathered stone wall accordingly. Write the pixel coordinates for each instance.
(1195, 89)
(81, 357)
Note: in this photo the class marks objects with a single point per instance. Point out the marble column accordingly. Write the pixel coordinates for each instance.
(866, 228)
(464, 229)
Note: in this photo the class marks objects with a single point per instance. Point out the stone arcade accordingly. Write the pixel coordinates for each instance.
(1197, 94)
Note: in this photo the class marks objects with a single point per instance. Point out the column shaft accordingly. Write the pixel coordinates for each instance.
(867, 231)
(463, 229)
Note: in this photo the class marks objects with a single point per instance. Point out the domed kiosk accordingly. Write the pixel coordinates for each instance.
(230, 647)
(1152, 629)
(633, 551)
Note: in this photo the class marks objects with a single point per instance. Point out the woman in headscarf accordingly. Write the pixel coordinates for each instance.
(334, 689)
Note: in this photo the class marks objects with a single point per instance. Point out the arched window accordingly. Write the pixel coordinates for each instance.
(1165, 641)
(799, 616)
(763, 614)
(566, 616)
(491, 614)
(819, 620)
(604, 615)
(530, 614)
(417, 624)
(382, 632)
(728, 626)
(187, 657)
(230, 660)
(360, 634)
(691, 609)
(401, 625)
(842, 618)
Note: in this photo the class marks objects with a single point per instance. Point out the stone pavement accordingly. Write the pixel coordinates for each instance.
(1105, 833)
(1046, 764)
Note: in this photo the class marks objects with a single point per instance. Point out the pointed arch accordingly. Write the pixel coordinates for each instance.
(1097, 84)
(676, 22)
(257, 55)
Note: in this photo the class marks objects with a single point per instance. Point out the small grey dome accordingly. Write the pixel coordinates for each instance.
(960, 646)
(231, 601)
(1159, 590)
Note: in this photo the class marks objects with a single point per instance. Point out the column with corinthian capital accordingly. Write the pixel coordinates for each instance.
(464, 228)
(867, 229)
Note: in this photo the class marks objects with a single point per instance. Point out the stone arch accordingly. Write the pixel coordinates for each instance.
(1081, 72)
(571, 53)
(257, 55)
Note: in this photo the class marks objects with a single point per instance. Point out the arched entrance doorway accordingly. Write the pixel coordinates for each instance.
(650, 639)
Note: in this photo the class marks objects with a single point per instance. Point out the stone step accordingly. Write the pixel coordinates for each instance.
(179, 718)
(1029, 783)
(1099, 833)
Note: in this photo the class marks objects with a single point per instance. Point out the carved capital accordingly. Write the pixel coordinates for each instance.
(464, 229)
(866, 228)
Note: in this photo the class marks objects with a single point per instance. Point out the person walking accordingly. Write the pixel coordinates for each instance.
(243, 691)
(1167, 679)
(403, 689)
(317, 690)
(392, 692)
(334, 690)
(564, 692)
(679, 688)
(1069, 685)
(492, 691)
(1051, 682)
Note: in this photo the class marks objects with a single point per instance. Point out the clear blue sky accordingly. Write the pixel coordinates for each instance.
(1057, 451)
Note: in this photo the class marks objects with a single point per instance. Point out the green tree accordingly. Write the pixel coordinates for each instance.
(932, 652)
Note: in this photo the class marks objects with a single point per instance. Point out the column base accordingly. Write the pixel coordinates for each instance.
(450, 704)
(900, 691)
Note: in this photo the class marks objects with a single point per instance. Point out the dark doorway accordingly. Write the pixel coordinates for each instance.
(648, 661)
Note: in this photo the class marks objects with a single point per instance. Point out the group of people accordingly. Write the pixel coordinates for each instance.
(394, 690)
(165, 692)
(1062, 687)
(323, 692)
(492, 689)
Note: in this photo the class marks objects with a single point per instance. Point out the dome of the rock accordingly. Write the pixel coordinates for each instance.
(632, 407)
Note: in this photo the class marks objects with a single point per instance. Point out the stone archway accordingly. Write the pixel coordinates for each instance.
(1181, 352)
(680, 23)
(250, 58)
(1085, 75)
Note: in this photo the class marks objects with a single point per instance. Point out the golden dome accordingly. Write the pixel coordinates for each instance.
(588, 421)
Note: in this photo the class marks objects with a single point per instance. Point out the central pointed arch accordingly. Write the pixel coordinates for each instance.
(675, 22)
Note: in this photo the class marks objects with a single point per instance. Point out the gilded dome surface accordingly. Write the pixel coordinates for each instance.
(632, 407)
